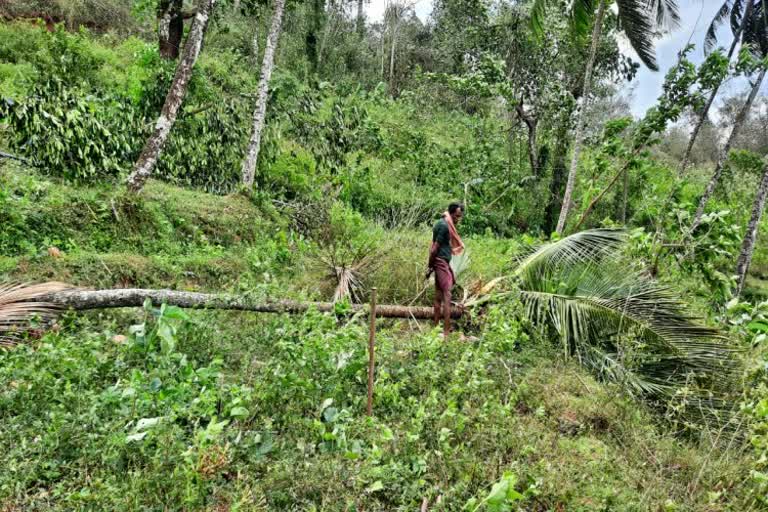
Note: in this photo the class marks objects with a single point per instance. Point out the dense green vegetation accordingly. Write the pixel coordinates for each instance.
(584, 385)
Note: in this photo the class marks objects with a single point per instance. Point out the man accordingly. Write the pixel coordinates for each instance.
(446, 243)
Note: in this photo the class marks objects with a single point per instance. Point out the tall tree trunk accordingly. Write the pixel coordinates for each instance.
(170, 28)
(360, 19)
(703, 115)
(531, 123)
(740, 118)
(252, 153)
(625, 197)
(392, 59)
(750, 237)
(558, 178)
(154, 145)
(579, 135)
(311, 41)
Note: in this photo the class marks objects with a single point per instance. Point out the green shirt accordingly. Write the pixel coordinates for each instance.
(442, 236)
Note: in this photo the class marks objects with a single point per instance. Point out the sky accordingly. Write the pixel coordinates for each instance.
(646, 87)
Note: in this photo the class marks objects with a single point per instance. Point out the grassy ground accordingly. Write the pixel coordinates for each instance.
(148, 410)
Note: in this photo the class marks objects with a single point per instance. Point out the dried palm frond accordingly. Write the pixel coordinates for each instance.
(19, 309)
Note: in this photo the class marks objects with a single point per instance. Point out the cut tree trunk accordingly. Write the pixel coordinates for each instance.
(135, 297)
(170, 28)
(579, 135)
(737, 125)
(154, 145)
(252, 154)
(705, 112)
(748, 245)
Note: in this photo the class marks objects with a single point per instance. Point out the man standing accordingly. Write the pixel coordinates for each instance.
(446, 243)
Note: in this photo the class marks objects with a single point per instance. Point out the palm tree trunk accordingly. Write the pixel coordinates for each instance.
(705, 112)
(252, 153)
(579, 135)
(727, 149)
(154, 145)
(748, 245)
(80, 300)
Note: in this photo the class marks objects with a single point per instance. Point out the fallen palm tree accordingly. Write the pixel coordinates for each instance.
(135, 297)
(27, 307)
(613, 319)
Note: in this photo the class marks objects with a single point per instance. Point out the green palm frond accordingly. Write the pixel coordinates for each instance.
(538, 14)
(667, 13)
(710, 39)
(582, 13)
(618, 322)
(586, 246)
(636, 20)
(755, 34)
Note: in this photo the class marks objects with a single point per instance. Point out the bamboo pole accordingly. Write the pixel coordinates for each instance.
(371, 351)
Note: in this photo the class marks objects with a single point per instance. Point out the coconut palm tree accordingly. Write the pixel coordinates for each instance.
(639, 20)
(734, 8)
(755, 38)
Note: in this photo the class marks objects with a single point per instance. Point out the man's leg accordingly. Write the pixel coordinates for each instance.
(438, 302)
(446, 313)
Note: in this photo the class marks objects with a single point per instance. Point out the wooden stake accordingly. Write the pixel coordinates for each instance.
(371, 348)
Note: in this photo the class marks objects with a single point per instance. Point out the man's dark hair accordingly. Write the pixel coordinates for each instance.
(455, 206)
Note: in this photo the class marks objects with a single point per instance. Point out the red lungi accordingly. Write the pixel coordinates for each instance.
(444, 278)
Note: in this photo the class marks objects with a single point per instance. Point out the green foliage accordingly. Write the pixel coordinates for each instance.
(622, 325)
(79, 137)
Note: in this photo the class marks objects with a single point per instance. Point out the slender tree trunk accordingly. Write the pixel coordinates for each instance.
(315, 25)
(579, 135)
(392, 59)
(252, 154)
(750, 237)
(558, 179)
(737, 125)
(135, 297)
(625, 198)
(531, 124)
(170, 28)
(360, 19)
(154, 145)
(383, 52)
(703, 115)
